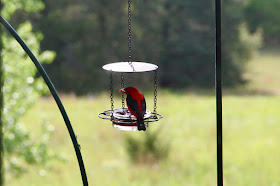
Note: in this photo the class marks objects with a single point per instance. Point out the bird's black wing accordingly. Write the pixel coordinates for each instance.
(133, 105)
(143, 105)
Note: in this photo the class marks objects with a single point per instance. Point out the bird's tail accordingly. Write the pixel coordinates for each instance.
(141, 125)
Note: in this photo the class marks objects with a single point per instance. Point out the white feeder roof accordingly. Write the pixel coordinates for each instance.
(130, 67)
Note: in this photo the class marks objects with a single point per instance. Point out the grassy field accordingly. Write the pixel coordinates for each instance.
(263, 73)
(251, 138)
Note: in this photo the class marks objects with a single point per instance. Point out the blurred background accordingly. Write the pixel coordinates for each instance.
(74, 39)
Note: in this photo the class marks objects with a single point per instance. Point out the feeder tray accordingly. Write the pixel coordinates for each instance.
(123, 120)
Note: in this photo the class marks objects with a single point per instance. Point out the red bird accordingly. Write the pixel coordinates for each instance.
(136, 104)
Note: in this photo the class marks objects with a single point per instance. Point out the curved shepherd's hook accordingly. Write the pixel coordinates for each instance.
(55, 96)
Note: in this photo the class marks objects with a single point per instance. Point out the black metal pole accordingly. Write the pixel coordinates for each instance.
(55, 96)
(219, 94)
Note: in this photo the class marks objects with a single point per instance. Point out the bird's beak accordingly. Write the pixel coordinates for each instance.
(122, 90)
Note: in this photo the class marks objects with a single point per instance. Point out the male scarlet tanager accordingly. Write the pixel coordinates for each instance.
(136, 104)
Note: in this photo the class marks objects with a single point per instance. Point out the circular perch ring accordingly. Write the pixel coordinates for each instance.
(123, 120)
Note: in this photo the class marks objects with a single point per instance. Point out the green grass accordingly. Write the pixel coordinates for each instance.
(251, 138)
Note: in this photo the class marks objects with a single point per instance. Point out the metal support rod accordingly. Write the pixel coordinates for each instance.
(54, 94)
(219, 94)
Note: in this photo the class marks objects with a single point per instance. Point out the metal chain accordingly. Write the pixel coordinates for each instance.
(122, 84)
(111, 95)
(155, 93)
(129, 36)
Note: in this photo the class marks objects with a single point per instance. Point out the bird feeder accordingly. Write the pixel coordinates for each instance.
(121, 118)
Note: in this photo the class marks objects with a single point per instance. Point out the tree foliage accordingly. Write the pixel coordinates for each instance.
(237, 43)
(264, 15)
(177, 35)
(21, 89)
